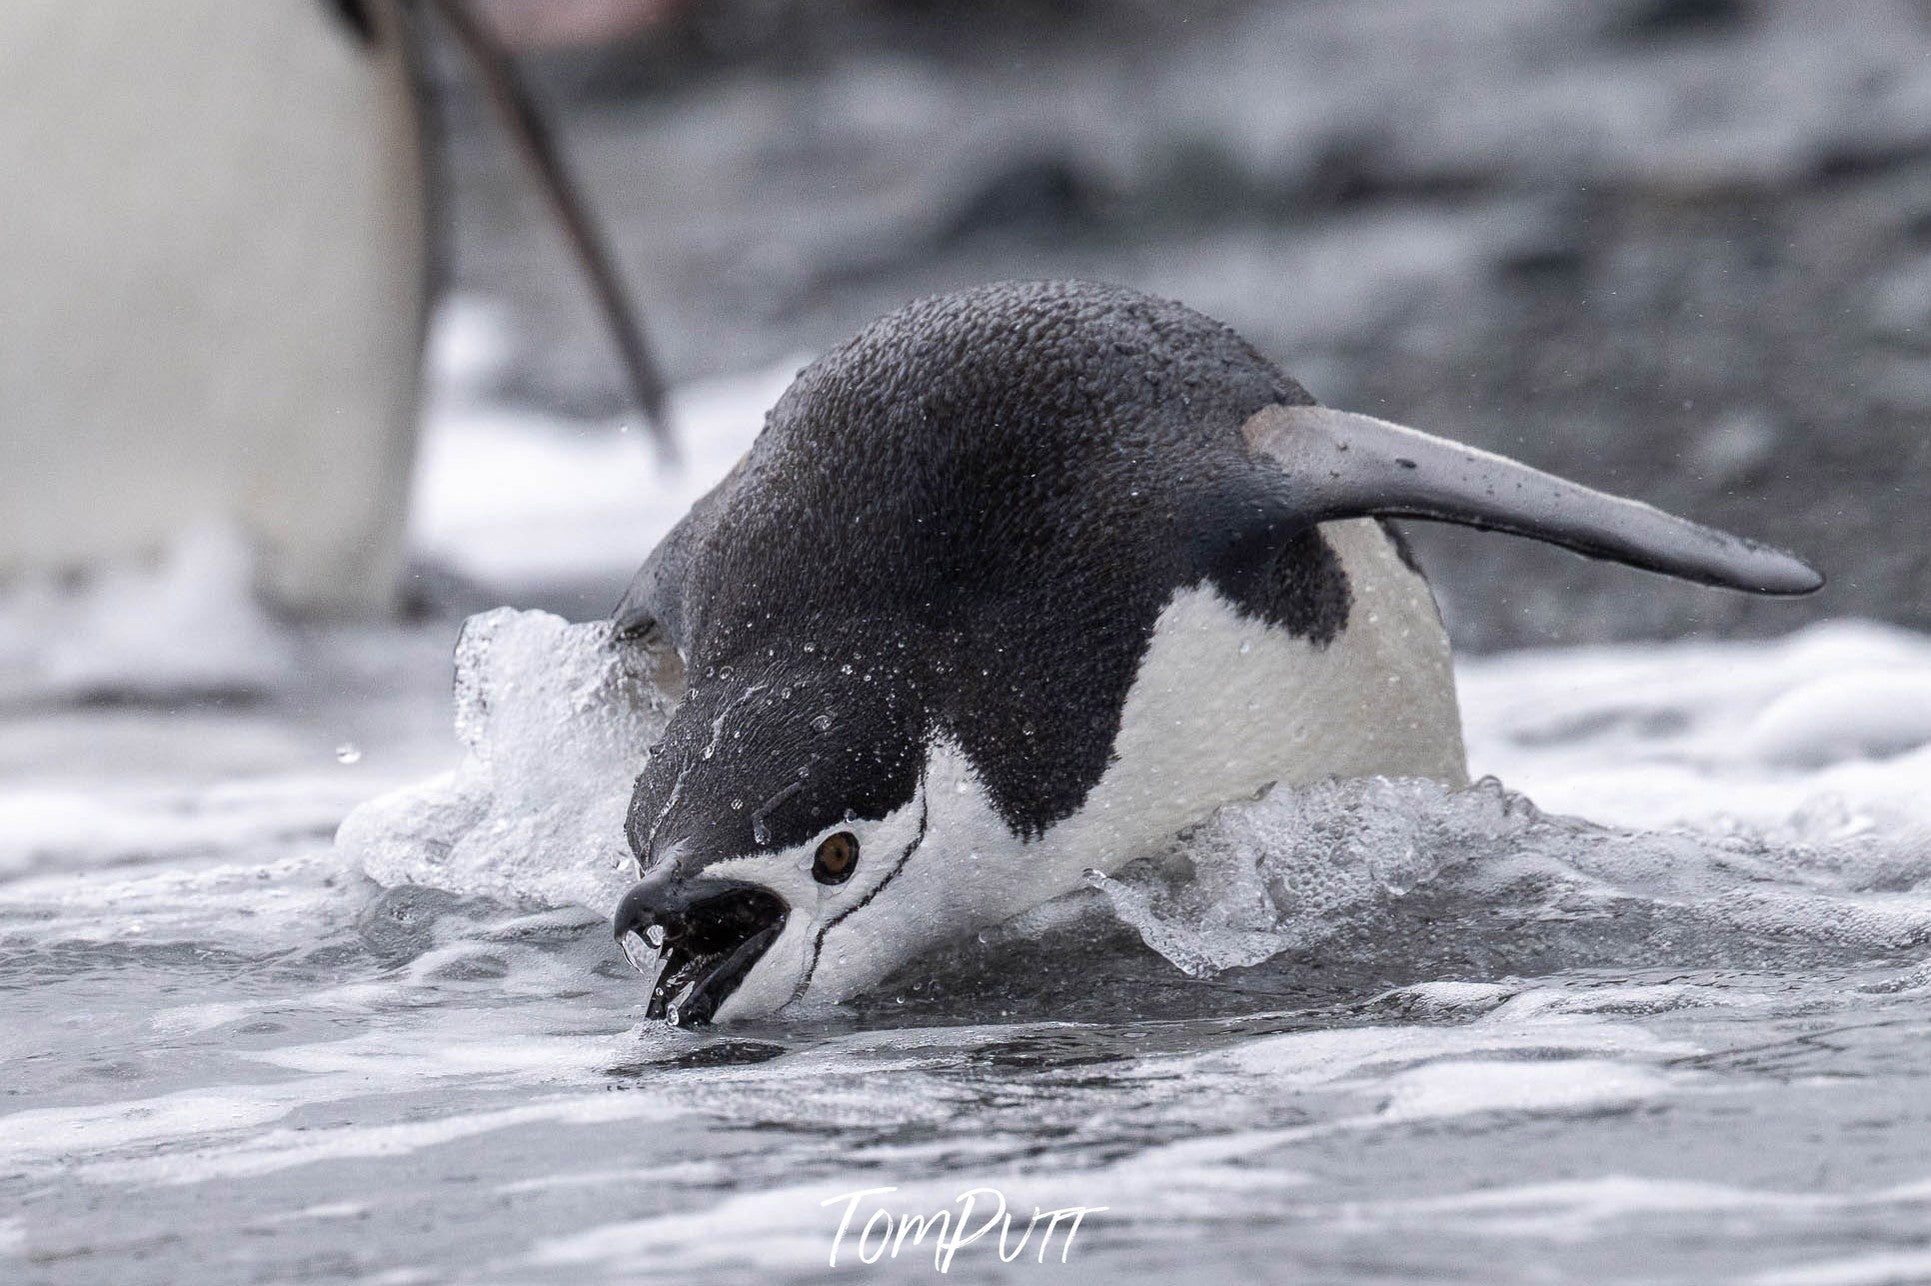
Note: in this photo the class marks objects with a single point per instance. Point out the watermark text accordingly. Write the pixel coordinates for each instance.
(884, 1232)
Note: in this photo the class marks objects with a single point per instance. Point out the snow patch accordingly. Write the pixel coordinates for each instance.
(188, 626)
(510, 498)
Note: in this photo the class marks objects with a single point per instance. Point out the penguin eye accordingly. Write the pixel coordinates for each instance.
(837, 857)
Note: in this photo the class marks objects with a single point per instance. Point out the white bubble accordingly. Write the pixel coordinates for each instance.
(348, 753)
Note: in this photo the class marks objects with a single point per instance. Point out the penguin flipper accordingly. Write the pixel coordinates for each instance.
(1344, 465)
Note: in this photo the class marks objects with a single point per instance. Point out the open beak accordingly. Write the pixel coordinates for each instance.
(697, 951)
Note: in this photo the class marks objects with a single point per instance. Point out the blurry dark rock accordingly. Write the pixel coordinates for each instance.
(1043, 196)
(1666, 19)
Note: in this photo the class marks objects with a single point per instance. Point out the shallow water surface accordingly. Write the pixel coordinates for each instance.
(1387, 1033)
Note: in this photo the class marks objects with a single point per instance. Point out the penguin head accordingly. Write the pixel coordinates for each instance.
(786, 792)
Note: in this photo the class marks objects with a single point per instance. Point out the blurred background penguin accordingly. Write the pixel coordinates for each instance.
(220, 255)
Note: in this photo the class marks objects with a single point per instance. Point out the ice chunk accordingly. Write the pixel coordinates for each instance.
(557, 720)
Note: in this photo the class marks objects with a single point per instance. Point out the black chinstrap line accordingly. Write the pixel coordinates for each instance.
(905, 858)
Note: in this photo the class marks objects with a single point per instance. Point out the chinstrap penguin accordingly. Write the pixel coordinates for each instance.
(1019, 583)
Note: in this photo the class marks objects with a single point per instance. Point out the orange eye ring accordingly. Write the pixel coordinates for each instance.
(836, 859)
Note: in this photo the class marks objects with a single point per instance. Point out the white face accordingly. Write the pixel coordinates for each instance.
(938, 868)
(812, 959)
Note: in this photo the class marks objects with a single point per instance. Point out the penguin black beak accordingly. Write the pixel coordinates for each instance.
(699, 940)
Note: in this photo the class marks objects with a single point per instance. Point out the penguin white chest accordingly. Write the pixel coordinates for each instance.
(1225, 704)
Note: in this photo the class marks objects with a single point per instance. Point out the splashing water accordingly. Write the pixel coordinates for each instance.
(1366, 880)
(555, 720)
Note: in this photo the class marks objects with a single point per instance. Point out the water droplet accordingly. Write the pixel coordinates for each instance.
(1246, 647)
(822, 723)
(737, 805)
(1094, 875)
(844, 669)
(348, 753)
(759, 831)
(708, 752)
(985, 936)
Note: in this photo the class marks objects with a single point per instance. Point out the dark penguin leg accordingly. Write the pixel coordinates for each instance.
(356, 16)
(513, 101)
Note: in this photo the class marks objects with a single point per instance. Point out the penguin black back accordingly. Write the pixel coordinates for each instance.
(1007, 484)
